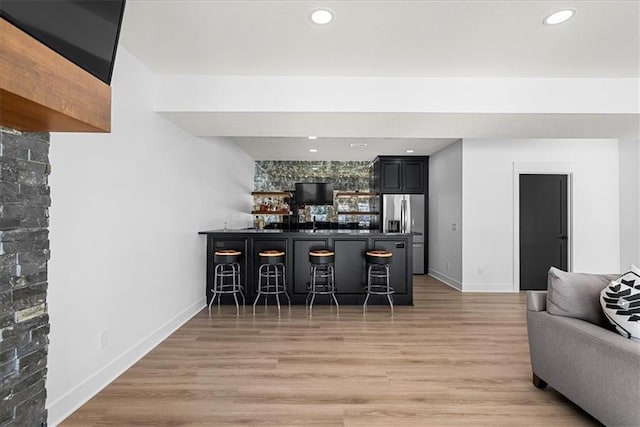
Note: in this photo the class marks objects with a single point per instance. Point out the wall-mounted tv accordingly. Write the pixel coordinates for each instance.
(83, 31)
(314, 193)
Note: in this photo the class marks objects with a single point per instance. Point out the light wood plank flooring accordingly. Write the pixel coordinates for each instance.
(452, 359)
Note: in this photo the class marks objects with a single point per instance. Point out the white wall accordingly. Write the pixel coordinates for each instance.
(445, 210)
(210, 93)
(488, 195)
(126, 257)
(414, 107)
(629, 203)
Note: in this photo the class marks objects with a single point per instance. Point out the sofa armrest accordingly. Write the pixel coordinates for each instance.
(537, 300)
(597, 369)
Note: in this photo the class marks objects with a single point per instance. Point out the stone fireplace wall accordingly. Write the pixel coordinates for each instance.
(24, 252)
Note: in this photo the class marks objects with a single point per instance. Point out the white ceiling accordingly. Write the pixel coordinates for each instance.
(384, 38)
(476, 38)
(289, 148)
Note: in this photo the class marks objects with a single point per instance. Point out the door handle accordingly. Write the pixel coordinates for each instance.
(562, 237)
(403, 216)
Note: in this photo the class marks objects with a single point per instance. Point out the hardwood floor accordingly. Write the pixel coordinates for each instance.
(451, 359)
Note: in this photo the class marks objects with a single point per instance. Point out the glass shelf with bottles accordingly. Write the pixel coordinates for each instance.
(358, 203)
(271, 203)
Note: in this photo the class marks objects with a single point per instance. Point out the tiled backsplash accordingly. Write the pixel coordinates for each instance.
(282, 175)
(345, 176)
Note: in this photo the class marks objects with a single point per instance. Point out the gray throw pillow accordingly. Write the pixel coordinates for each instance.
(577, 295)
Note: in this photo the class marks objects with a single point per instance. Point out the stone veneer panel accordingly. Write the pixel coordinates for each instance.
(24, 252)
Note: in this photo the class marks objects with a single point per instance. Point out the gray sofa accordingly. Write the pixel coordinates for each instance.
(594, 367)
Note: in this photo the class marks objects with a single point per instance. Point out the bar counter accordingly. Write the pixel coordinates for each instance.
(350, 263)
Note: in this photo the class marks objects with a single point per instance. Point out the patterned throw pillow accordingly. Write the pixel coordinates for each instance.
(621, 304)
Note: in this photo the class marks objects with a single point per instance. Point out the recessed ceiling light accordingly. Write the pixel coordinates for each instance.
(313, 150)
(409, 151)
(559, 17)
(312, 137)
(321, 16)
(358, 145)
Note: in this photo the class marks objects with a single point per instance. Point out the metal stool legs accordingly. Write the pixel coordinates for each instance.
(276, 273)
(375, 272)
(327, 274)
(223, 272)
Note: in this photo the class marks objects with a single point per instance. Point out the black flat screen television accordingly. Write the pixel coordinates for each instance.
(83, 31)
(314, 193)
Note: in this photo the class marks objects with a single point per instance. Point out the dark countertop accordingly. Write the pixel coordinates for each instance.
(306, 232)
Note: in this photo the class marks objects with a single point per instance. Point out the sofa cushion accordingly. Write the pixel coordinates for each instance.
(621, 304)
(577, 295)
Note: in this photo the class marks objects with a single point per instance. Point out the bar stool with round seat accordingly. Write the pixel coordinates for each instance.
(271, 277)
(378, 276)
(322, 276)
(226, 276)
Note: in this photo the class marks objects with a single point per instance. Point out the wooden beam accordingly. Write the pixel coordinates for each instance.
(42, 91)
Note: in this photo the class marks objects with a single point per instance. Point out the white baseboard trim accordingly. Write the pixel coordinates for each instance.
(449, 281)
(488, 287)
(79, 395)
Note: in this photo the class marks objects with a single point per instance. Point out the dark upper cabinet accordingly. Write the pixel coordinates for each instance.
(390, 176)
(413, 176)
(400, 174)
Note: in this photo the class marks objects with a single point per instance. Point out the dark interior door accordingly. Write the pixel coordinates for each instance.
(543, 228)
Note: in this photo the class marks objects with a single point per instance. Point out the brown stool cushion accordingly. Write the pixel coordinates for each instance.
(227, 252)
(380, 254)
(226, 256)
(321, 257)
(379, 257)
(271, 252)
(321, 252)
(271, 257)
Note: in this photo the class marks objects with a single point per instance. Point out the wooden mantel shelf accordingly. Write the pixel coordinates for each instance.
(41, 91)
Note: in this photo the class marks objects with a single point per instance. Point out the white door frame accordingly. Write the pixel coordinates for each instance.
(542, 168)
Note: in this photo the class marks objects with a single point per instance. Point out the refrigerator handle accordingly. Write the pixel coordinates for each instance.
(403, 216)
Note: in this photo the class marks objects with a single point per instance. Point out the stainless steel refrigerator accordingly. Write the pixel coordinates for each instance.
(404, 213)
